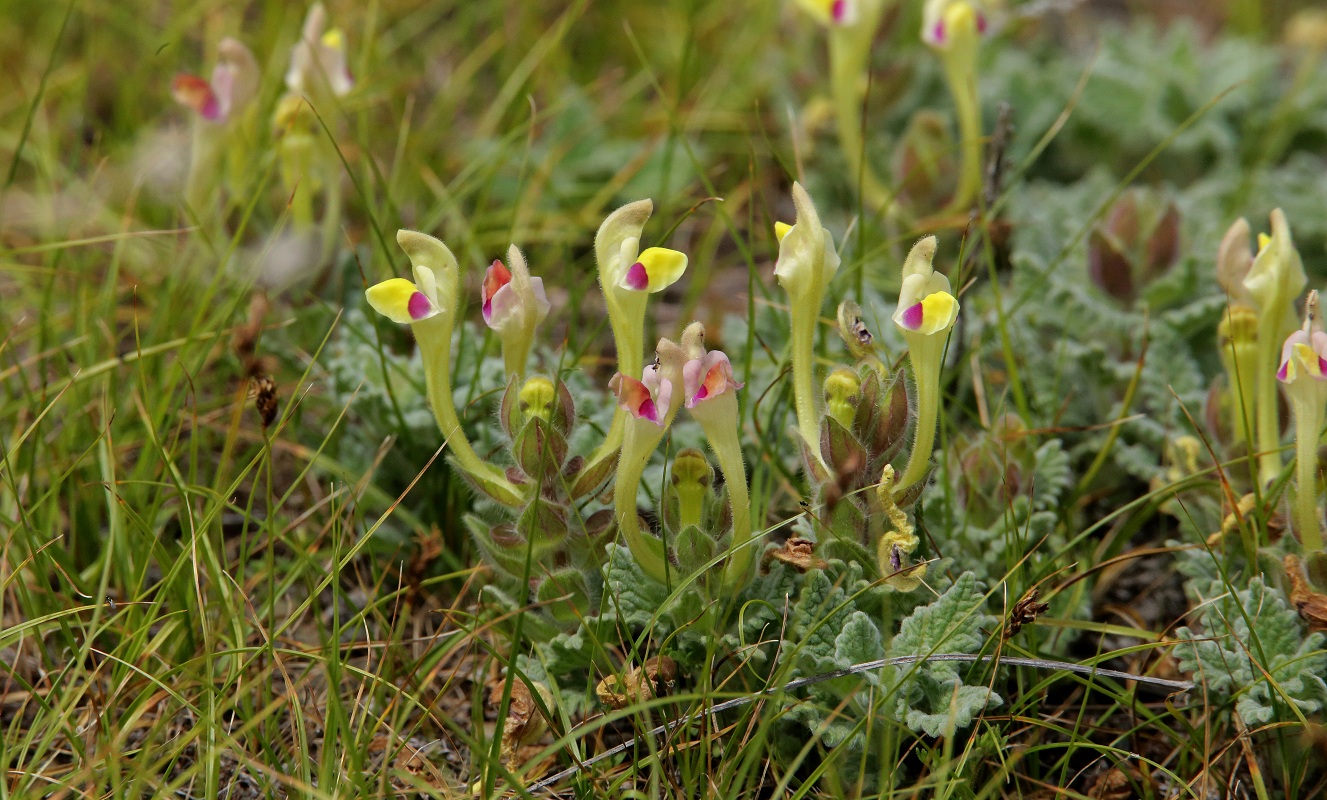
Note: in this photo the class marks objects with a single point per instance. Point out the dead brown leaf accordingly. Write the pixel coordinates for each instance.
(799, 554)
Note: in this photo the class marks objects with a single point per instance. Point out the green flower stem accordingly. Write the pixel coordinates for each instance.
(1308, 424)
(718, 418)
(805, 315)
(1270, 336)
(925, 353)
(626, 318)
(434, 336)
(960, 72)
(639, 442)
(1241, 367)
(849, 61)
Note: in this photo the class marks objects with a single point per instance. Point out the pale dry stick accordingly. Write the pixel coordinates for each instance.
(855, 669)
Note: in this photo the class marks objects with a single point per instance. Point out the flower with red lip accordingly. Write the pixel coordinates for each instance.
(711, 397)
(233, 86)
(513, 306)
(648, 398)
(708, 377)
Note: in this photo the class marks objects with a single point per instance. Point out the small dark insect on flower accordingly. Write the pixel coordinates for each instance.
(895, 559)
(1024, 612)
(264, 399)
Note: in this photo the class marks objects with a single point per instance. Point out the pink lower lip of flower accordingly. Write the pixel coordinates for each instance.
(637, 278)
(981, 23)
(913, 317)
(938, 33)
(1283, 372)
(701, 395)
(838, 10)
(419, 306)
(648, 411)
(488, 311)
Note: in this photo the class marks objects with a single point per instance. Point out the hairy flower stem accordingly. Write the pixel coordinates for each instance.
(804, 318)
(1241, 359)
(638, 443)
(1270, 335)
(1308, 424)
(925, 354)
(435, 346)
(718, 418)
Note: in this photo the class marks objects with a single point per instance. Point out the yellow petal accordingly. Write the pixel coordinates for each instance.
(781, 230)
(391, 298)
(1263, 241)
(655, 270)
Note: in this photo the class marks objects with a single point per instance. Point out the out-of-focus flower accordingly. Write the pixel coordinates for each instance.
(318, 59)
(831, 12)
(513, 306)
(233, 86)
(947, 24)
(953, 28)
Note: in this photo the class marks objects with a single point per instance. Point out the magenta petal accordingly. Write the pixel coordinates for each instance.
(419, 306)
(702, 394)
(938, 32)
(912, 317)
(1322, 366)
(488, 311)
(637, 278)
(1281, 373)
(838, 9)
(981, 23)
(648, 411)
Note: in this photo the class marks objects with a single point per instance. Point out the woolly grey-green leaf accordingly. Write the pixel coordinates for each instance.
(1252, 647)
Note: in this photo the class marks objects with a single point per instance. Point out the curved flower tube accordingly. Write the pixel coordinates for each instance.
(648, 406)
(953, 28)
(428, 306)
(1273, 282)
(926, 313)
(513, 306)
(1303, 372)
(807, 261)
(711, 397)
(627, 277)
